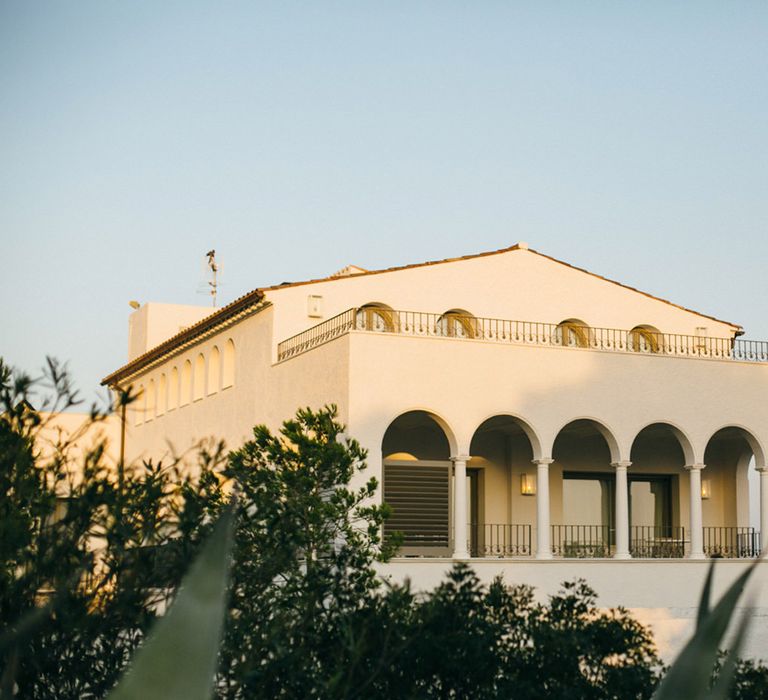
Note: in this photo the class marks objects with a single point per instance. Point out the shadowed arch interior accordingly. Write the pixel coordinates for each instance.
(417, 476)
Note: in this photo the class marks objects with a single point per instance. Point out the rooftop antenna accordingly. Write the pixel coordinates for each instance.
(213, 272)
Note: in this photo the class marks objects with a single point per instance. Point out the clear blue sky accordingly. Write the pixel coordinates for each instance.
(295, 138)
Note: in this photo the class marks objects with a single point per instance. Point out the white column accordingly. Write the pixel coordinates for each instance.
(622, 511)
(763, 507)
(697, 533)
(460, 507)
(543, 540)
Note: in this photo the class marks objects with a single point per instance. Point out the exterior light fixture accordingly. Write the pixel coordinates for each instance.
(706, 488)
(527, 485)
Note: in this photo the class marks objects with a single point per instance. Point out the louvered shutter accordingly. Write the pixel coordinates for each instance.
(418, 493)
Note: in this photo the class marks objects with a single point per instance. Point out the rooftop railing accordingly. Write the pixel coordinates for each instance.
(566, 334)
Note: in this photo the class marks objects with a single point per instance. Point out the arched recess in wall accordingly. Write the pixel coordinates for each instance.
(214, 370)
(162, 395)
(151, 401)
(417, 475)
(228, 366)
(584, 451)
(457, 323)
(185, 395)
(173, 390)
(199, 379)
(573, 332)
(376, 317)
(500, 477)
(645, 338)
(139, 405)
(730, 453)
(658, 491)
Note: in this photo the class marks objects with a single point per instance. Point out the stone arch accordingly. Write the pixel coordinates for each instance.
(421, 430)
(214, 370)
(375, 316)
(645, 338)
(173, 389)
(198, 382)
(573, 332)
(416, 476)
(162, 395)
(185, 394)
(151, 401)
(457, 323)
(725, 490)
(228, 365)
(601, 427)
(685, 443)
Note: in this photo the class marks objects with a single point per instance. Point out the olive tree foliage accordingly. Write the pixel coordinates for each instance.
(88, 552)
(308, 536)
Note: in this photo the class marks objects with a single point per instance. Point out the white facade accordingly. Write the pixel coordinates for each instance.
(519, 411)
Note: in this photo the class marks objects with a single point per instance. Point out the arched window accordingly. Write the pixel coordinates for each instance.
(214, 371)
(173, 390)
(228, 366)
(162, 395)
(139, 405)
(376, 317)
(645, 339)
(186, 383)
(150, 413)
(199, 381)
(457, 323)
(572, 333)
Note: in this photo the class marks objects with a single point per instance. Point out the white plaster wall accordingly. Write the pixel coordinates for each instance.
(261, 393)
(516, 285)
(661, 593)
(153, 323)
(466, 382)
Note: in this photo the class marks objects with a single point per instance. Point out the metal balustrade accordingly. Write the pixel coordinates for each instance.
(422, 324)
(582, 541)
(657, 542)
(499, 540)
(731, 542)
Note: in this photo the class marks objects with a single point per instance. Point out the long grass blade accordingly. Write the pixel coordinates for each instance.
(178, 660)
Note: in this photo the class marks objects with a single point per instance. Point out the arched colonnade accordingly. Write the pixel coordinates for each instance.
(506, 489)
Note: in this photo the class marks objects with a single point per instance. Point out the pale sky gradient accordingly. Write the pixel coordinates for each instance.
(296, 138)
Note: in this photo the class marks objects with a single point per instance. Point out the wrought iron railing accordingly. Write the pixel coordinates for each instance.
(499, 540)
(657, 542)
(317, 335)
(422, 324)
(731, 542)
(582, 541)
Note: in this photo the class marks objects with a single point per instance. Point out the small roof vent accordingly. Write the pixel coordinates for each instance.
(348, 271)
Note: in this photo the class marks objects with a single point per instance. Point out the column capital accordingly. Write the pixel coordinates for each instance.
(461, 458)
(541, 462)
(623, 464)
(695, 467)
(762, 470)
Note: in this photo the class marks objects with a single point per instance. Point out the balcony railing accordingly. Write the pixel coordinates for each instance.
(731, 542)
(422, 324)
(657, 542)
(497, 540)
(582, 541)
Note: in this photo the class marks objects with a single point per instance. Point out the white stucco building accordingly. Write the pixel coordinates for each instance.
(534, 417)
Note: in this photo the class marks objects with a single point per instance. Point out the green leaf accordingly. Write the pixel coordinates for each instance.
(689, 675)
(178, 660)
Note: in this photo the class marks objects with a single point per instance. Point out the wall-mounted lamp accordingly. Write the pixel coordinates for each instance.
(527, 485)
(706, 488)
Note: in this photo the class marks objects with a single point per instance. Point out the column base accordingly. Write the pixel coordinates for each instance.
(544, 555)
(460, 555)
(697, 556)
(622, 555)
